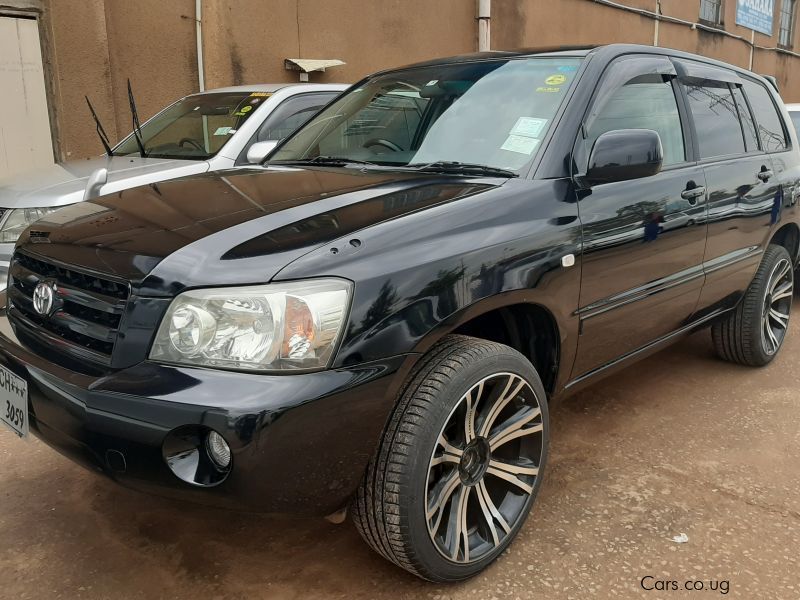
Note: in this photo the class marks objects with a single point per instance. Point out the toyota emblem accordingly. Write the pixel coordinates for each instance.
(44, 296)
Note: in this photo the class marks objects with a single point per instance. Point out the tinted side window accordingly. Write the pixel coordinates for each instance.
(770, 128)
(748, 125)
(646, 102)
(716, 120)
(291, 114)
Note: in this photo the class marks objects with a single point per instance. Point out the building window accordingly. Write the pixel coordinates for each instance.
(711, 11)
(787, 23)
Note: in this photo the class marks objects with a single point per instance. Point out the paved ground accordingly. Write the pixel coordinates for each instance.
(681, 443)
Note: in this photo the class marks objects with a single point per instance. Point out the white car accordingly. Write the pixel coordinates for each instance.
(209, 131)
(794, 113)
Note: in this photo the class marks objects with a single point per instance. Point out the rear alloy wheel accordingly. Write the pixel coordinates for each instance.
(460, 463)
(754, 332)
(777, 305)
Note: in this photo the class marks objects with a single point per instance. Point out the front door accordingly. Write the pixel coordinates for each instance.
(643, 240)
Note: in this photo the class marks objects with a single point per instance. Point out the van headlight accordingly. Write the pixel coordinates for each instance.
(280, 326)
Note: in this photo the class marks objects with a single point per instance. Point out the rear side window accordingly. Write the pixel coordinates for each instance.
(770, 124)
(716, 120)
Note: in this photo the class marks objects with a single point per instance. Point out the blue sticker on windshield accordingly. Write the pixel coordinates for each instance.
(568, 68)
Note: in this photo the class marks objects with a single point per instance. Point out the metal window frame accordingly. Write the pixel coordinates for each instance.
(786, 26)
(715, 6)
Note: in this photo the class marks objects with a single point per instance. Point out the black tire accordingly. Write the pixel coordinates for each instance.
(413, 466)
(749, 335)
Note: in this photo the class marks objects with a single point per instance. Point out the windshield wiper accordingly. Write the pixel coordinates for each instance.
(455, 167)
(137, 128)
(321, 160)
(101, 133)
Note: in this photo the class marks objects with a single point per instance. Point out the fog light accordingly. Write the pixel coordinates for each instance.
(218, 449)
(197, 455)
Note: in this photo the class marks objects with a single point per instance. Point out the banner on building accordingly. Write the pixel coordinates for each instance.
(755, 14)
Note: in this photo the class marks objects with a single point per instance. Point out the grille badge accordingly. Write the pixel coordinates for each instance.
(44, 297)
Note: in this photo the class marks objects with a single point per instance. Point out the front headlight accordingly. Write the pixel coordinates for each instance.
(18, 219)
(280, 326)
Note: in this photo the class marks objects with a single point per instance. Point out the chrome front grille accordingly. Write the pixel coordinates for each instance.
(86, 311)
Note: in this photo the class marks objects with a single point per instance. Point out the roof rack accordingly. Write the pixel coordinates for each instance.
(546, 49)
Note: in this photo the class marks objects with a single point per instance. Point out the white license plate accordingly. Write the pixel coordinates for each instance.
(14, 402)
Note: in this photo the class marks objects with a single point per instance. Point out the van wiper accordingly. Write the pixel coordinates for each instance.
(101, 133)
(137, 128)
(455, 167)
(321, 160)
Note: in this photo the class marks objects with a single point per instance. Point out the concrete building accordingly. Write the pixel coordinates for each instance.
(53, 52)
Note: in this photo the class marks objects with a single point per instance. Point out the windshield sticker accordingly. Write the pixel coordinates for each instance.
(260, 94)
(558, 79)
(548, 90)
(223, 130)
(432, 82)
(243, 111)
(520, 144)
(529, 126)
(568, 68)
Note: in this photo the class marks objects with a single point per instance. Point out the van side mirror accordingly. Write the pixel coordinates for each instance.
(625, 154)
(260, 150)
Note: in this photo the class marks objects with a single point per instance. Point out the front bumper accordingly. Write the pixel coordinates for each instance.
(300, 442)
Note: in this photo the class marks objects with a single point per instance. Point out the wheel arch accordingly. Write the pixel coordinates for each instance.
(788, 236)
(529, 327)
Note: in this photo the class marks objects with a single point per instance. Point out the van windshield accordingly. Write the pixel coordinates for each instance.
(492, 113)
(196, 127)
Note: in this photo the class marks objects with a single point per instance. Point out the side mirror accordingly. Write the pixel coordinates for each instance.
(260, 150)
(625, 154)
(95, 183)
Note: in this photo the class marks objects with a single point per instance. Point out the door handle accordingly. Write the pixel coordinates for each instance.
(692, 194)
(765, 175)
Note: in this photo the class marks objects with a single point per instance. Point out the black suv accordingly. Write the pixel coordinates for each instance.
(380, 316)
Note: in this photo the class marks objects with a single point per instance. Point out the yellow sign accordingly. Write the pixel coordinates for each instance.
(555, 79)
(548, 90)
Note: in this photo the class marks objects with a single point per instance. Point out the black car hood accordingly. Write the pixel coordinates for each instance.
(231, 227)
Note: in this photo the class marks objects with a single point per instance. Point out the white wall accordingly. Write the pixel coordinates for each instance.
(25, 140)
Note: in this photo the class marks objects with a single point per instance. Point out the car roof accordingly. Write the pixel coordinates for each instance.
(608, 52)
(271, 87)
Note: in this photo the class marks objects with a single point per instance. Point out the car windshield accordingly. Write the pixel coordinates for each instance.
(194, 128)
(488, 113)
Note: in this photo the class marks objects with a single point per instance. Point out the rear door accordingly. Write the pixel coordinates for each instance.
(643, 240)
(744, 192)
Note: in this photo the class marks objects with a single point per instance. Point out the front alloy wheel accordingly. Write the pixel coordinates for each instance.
(460, 463)
(484, 467)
